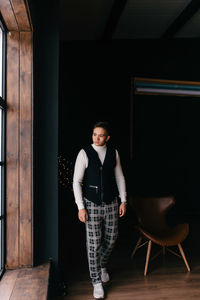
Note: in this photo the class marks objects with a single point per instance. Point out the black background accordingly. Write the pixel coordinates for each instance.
(95, 84)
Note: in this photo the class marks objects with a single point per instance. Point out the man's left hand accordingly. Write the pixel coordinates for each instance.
(122, 209)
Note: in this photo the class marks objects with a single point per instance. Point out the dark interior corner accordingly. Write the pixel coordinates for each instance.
(95, 82)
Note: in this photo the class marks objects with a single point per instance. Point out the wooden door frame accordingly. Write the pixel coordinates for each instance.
(19, 133)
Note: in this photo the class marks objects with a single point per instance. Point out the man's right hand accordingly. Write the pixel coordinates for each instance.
(83, 215)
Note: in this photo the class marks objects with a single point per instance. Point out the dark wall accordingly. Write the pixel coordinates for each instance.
(95, 79)
(95, 85)
(45, 60)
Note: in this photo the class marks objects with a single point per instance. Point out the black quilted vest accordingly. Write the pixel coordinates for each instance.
(99, 183)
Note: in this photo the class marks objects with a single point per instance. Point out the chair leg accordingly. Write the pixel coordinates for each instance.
(137, 245)
(147, 257)
(183, 256)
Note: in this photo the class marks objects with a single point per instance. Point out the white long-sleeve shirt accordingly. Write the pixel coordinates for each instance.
(79, 171)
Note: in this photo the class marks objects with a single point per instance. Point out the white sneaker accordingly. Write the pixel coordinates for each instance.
(98, 292)
(104, 275)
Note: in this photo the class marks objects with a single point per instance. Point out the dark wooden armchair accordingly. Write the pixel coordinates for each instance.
(151, 214)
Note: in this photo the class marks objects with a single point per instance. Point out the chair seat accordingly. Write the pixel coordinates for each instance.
(171, 237)
(151, 214)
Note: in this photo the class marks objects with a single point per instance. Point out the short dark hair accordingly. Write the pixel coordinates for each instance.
(104, 125)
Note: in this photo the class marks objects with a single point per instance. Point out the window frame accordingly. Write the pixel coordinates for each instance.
(19, 134)
(3, 106)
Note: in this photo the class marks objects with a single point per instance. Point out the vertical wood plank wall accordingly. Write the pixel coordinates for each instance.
(19, 195)
(25, 150)
(12, 149)
(19, 150)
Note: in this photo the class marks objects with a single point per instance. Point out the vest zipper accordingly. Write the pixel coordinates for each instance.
(101, 168)
(95, 187)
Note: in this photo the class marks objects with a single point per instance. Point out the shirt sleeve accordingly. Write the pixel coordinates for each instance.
(120, 180)
(79, 171)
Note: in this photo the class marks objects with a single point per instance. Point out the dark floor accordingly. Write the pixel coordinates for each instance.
(167, 278)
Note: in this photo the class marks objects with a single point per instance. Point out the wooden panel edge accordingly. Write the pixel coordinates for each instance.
(8, 15)
(26, 153)
(22, 14)
(12, 169)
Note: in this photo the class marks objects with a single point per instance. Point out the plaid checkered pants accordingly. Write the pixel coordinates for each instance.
(101, 235)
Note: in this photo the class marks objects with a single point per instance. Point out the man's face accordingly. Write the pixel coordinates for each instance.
(99, 136)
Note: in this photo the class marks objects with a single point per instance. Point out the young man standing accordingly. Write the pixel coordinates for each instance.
(97, 182)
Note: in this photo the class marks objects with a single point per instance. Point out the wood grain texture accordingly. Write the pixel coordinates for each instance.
(168, 282)
(7, 284)
(32, 284)
(19, 133)
(25, 284)
(22, 15)
(25, 144)
(12, 146)
(167, 277)
(16, 15)
(8, 15)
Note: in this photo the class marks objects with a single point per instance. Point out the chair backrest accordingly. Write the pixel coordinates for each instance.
(151, 212)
